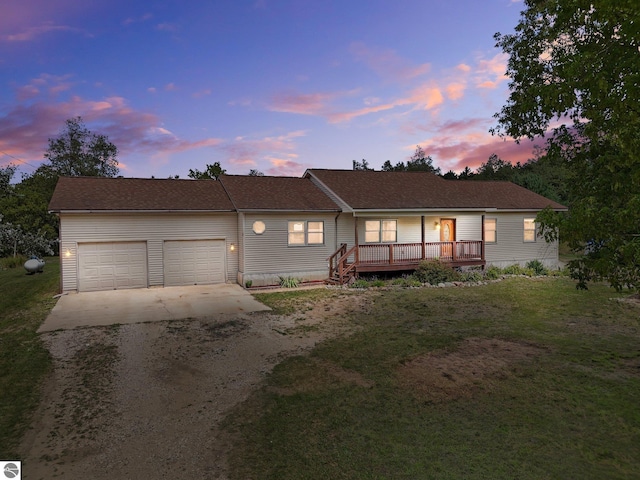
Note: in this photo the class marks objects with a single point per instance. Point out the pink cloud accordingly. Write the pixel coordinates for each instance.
(387, 63)
(26, 128)
(474, 148)
(303, 104)
(455, 91)
(251, 152)
(490, 73)
(346, 116)
(286, 167)
(425, 96)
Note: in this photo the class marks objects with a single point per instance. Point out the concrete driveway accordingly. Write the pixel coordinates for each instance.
(148, 305)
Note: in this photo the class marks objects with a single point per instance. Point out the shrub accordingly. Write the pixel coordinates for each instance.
(514, 269)
(435, 272)
(289, 282)
(537, 267)
(492, 273)
(471, 276)
(360, 283)
(13, 262)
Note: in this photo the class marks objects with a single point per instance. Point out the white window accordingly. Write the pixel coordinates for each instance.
(377, 231)
(490, 230)
(315, 233)
(529, 230)
(306, 233)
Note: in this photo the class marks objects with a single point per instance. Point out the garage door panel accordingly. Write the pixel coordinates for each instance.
(194, 262)
(110, 266)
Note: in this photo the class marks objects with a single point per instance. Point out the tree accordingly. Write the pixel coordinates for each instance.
(212, 172)
(466, 174)
(576, 63)
(6, 175)
(398, 167)
(421, 162)
(363, 165)
(494, 169)
(79, 152)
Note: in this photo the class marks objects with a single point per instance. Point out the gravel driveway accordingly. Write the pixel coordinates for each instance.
(144, 401)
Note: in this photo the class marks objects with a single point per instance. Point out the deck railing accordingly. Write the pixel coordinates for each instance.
(402, 253)
(398, 256)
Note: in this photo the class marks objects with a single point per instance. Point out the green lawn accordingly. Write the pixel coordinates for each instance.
(24, 303)
(525, 378)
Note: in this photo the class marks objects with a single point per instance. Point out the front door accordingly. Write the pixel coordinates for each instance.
(447, 234)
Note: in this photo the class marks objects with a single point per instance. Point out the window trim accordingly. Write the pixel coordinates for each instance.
(525, 229)
(381, 231)
(305, 232)
(495, 230)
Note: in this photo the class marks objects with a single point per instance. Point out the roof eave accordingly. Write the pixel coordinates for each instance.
(138, 211)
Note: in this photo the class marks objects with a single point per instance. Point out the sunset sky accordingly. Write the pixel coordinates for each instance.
(279, 86)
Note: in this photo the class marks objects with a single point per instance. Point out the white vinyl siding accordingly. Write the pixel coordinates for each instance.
(511, 248)
(152, 228)
(270, 253)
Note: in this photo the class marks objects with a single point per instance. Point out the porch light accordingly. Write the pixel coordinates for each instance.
(232, 247)
(436, 225)
(67, 253)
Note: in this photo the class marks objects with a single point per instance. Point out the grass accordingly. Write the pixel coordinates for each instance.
(569, 410)
(24, 361)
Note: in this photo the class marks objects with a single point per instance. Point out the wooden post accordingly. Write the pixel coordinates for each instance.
(424, 246)
(357, 252)
(482, 244)
(391, 254)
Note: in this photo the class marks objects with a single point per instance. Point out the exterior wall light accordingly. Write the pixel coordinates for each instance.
(232, 247)
(436, 225)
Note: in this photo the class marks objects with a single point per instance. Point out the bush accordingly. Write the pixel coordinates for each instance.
(435, 272)
(471, 276)
(537, 267)
(289, 282)
(13, 262)
(514, 269)
(360, 283)
(492, 273)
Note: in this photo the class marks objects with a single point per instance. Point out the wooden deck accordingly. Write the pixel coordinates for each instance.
(346, 263)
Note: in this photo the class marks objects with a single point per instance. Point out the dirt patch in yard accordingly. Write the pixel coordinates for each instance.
(146, 400)
(476, 363)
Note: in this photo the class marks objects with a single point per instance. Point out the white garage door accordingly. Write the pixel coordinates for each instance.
(194, 262)
(111, 266)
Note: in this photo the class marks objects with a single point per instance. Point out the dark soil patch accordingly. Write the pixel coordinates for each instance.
(475, 365)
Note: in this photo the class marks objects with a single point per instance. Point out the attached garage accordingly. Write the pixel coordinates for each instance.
(112, 266)
(143, 233)
(194, 262)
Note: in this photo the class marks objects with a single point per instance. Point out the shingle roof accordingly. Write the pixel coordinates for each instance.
(371, 190)
(276, 193)
(130, 194)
